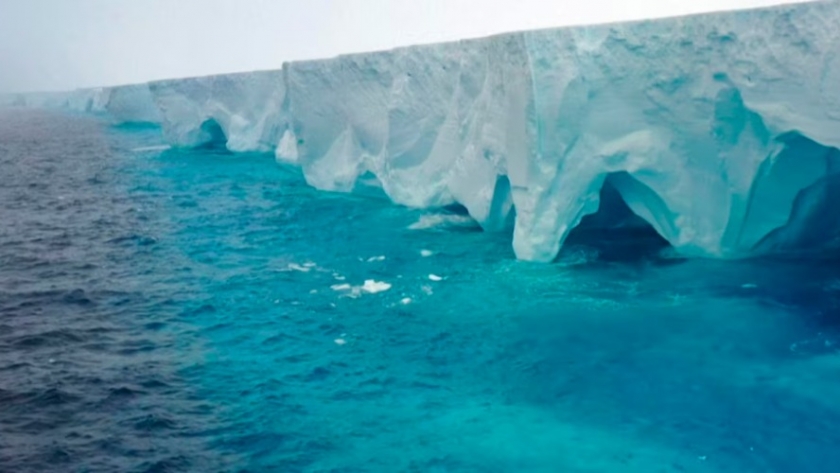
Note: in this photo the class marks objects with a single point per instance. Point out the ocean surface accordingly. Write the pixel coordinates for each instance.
(168, 311)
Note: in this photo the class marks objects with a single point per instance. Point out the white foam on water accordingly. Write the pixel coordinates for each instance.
(297, 267)
(426, 253)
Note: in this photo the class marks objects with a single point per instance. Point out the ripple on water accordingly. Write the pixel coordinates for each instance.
(165, 310)
(75, 292)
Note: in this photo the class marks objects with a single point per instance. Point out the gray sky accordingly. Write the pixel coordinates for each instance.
(63, 44)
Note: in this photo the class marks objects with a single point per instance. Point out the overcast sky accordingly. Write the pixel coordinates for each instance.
(63, 44)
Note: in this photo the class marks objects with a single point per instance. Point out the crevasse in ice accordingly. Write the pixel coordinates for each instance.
(719, 130)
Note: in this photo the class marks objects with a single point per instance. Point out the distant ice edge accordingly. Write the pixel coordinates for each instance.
(720, 130)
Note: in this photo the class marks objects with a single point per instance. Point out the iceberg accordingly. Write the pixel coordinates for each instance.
(128, 104)
(240, 111)
(721, 131)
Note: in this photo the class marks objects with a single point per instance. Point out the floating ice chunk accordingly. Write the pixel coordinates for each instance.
(374, 259)
(147, 149)
(426, 253)
(340, 341)
(373, 287)
(430, 221)
(369, 287)
(405, 301)
(435, 277)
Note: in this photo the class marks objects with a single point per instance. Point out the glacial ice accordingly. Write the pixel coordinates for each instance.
(130, 104)
(720, 130)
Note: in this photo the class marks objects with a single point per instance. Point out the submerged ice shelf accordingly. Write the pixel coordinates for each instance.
(721, 131)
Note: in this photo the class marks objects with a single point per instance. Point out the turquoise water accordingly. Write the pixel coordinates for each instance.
(201, 311)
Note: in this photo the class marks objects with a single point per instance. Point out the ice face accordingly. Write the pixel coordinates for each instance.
(720, 131)
(245, 111)
(130, 104)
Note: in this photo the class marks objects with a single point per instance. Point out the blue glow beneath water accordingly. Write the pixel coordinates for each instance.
(175, 311)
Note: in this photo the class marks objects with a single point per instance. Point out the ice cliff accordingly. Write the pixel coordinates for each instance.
(720, 130)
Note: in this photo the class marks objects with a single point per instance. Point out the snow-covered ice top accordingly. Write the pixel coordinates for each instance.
(720, 130)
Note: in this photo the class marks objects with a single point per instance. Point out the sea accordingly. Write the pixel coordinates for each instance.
(169, 310)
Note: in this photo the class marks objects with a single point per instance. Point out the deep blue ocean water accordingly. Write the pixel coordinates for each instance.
(166, 311)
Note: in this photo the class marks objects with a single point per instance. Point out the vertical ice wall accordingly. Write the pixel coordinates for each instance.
(245, 111)
(719, 130)
(130, 104)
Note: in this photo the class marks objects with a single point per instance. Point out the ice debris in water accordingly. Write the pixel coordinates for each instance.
(372, 287)
(435, 277)
(146, 149)
(405, 301)
(369, 287)
(374, 259)
(426, 253)
(340, 341)
(441, 221)
(297, 267)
